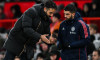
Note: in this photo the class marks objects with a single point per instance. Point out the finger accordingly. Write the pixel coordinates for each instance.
(46, 41)
(52, 40)
(46, 34)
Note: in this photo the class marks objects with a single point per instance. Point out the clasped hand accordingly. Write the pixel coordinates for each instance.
(51, 39)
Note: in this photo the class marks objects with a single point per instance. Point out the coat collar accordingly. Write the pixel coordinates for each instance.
(41, 13)
(76, 18)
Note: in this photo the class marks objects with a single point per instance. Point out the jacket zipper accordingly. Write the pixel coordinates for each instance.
(22, 51)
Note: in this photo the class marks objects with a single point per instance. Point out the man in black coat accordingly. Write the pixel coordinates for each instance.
(32, 26)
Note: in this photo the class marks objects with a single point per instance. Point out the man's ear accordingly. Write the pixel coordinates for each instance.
(73, 14)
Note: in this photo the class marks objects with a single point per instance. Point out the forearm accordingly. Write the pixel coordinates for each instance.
(31, 33)
(79, 44)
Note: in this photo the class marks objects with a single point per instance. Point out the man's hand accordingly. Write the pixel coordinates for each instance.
(43, 38)
(52, 40)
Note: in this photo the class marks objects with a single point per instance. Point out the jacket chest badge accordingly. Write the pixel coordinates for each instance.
(72, 30)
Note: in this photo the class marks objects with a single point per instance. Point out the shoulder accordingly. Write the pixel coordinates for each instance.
(30, 12)
(82, 23)
(62, 22)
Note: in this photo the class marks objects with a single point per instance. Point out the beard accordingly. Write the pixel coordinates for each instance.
(69, 18)
(47, 14)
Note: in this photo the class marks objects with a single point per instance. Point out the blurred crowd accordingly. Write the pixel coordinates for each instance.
(44, 51)
(89, 9)
(17, 0)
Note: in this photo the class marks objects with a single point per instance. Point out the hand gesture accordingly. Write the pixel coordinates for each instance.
(43, 38)
(52, 40)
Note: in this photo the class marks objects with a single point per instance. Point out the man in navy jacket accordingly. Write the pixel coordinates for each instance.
(73, 35)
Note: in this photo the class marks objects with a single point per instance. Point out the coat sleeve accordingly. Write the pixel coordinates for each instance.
(27, 24)
(59, 44)
(84, 35)
(47, 30)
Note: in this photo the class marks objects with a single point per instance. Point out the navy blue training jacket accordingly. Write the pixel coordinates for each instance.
(76, 33)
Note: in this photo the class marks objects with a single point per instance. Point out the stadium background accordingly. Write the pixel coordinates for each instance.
(8, 22)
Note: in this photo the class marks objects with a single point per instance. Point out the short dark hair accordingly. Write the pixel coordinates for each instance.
(97, 51)
(50, 4)
(94, 26)
(40, 55)
(70, 8)
(57, 15)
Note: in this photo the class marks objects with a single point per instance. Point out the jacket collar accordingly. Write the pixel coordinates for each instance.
(41, 13)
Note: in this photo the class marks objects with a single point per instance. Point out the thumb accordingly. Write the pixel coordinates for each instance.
(51, 35)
